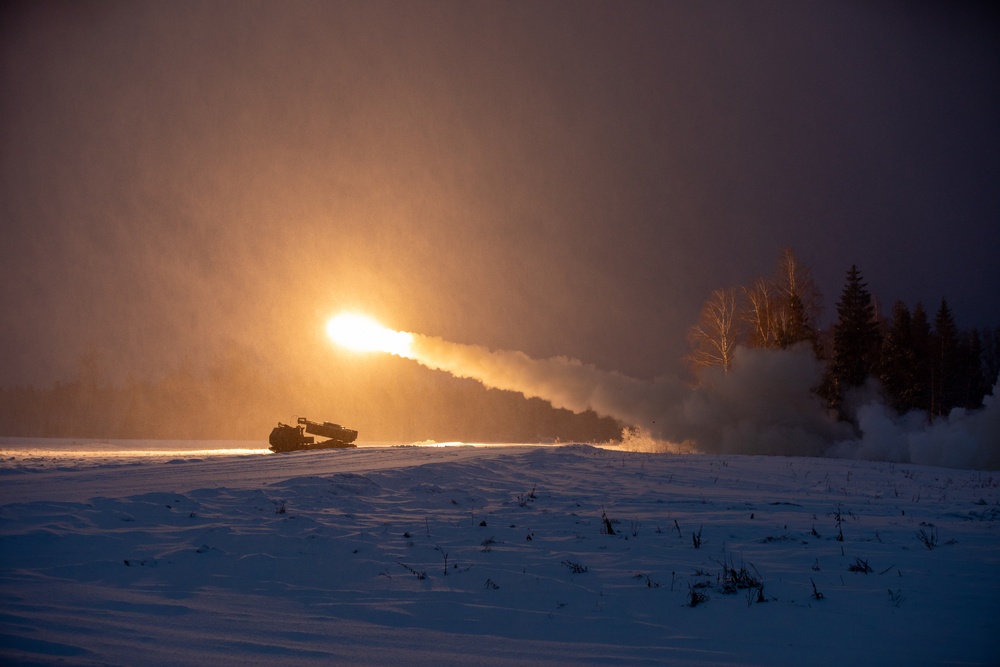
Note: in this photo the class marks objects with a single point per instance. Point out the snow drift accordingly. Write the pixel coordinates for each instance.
(515, 555)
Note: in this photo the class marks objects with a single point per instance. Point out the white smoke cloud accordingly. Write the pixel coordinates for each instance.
(963, 439)
(562, 381)
(763, 405)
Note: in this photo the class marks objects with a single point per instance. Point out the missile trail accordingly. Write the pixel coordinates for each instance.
(764, 405)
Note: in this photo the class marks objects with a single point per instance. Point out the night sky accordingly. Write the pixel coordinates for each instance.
(181, 181)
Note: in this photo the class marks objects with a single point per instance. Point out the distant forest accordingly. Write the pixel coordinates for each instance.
(919, 364)
(234, 401)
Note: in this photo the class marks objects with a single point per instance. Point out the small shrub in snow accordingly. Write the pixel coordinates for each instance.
(575, 568)
(606, 528)
(638, 440)
(756, 595)
(929, 539)
(418, 574)
(649, 582)
(445, 559)
(696, 597)
(733, 579)
(860, 565)
(815, 594)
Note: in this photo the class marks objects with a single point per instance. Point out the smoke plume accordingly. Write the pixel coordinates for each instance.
(763, 405)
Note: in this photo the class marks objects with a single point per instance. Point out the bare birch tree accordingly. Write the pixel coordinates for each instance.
(799, 300)
(759, 316)
(715, 336)
(783, 310)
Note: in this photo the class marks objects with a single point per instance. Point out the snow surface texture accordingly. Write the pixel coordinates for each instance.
(523, 555)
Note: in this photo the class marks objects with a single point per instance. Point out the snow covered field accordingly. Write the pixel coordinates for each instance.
(224, 554)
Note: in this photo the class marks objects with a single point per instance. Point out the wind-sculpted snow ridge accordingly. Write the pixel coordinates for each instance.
(528, 556)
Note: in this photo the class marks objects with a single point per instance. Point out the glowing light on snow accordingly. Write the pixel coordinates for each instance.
(363, 334)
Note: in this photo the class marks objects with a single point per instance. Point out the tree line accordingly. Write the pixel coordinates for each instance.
(233, 399)
(919, 364)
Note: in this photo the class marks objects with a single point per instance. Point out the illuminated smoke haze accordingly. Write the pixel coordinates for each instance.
(184, 179)
(187, 189)
(763, 405)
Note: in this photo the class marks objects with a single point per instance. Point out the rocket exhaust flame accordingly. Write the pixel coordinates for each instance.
(363, 334)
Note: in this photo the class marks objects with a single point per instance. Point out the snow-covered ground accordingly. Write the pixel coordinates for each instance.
(192, 555)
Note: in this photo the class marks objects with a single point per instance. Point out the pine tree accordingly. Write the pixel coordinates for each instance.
(974, 384)
(856, 338)
(944, 363)
(897, 361)
(921, 341)
(990, 356)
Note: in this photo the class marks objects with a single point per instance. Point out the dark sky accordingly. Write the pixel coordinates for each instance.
(181, 180)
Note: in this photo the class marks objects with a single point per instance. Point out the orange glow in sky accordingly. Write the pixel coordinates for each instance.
(363, 334)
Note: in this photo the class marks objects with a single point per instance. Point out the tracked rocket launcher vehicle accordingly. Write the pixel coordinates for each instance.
(285, 438)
